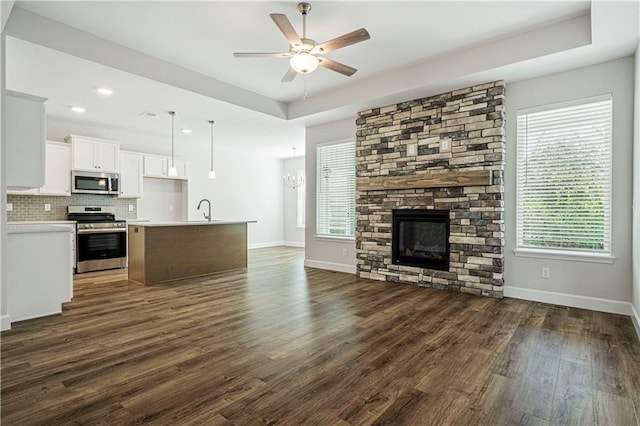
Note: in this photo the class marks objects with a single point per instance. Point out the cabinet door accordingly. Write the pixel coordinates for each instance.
(155, 166)
(25, 141)
(130, 175)
(58, 172)
(107, 157)
(182, 168)
(84, 155)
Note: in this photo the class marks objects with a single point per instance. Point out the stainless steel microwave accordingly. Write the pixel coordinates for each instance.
(94, 183)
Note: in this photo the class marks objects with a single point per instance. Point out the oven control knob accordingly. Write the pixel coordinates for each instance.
(91, 225)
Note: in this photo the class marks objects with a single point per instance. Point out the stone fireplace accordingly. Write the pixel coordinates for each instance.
(443, 153)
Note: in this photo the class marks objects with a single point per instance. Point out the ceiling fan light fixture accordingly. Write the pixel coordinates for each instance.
(304, 62)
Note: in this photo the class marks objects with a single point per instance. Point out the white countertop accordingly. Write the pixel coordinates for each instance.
(190, 223)
(44, 222)
(36, 228)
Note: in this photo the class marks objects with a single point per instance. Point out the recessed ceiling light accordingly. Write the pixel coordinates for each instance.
(104, 91)
(77, 109)
(187, 131)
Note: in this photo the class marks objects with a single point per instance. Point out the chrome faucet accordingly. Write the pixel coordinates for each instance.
(205, 215)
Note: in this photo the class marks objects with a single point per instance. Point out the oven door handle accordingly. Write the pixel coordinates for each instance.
(101, 231)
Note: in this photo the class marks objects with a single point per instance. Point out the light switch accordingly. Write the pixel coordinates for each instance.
(9, 207)
(130, 207)
(170, 207)
(411, 149)
(445, 145)
(47, 207)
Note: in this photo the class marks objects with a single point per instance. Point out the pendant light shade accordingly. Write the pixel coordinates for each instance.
(212, 172)
(173, 171)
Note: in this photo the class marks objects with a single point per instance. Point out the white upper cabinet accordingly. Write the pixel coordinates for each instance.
(58, 170)
(92, 154)
(158, 166)
(25, 140)
(155, 166)
(181, 166)
(131, 166)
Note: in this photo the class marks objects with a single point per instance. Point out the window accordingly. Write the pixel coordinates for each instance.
(336, 189)
(300, 193)
(564, 176)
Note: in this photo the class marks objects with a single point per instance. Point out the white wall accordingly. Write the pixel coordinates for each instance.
(325, 253)
(636, 195)
(293, 235)
(164, 200)
(582, 280)
(5, 321)
(247, 187)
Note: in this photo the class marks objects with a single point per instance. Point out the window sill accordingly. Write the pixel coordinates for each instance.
(576, 256)
(300, 227)
(335, 239)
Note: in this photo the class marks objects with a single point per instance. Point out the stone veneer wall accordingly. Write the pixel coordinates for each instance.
(472, 119)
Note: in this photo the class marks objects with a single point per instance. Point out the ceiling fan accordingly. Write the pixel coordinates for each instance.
(304, 53)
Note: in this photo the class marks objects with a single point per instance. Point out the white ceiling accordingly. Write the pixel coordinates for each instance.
(182, 53)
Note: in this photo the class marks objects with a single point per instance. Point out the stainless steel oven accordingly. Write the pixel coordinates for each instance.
(101, 239)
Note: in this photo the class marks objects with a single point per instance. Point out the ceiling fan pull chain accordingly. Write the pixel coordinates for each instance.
(304, 95)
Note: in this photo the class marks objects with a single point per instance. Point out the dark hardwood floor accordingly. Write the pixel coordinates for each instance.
(278, 343)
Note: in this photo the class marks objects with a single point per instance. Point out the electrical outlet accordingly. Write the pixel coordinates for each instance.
(445, 145)
(345, 252)
(412, 149)
(130, 207)
(9, 207)
(545, 273)
(47, 207)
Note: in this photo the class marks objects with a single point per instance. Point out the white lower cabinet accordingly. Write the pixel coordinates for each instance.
(39, 270)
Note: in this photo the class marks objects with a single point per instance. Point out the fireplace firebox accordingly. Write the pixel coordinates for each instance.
(421, 238)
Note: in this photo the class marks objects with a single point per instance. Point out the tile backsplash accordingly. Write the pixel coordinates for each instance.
(31, 207)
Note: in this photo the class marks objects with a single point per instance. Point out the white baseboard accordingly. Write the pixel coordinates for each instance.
(294, 244)
(265, 245)
(572, 300)
(5, 322)
(338, 267)
(635, 319)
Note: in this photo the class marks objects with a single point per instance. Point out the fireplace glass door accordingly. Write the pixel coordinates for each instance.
(421, 238)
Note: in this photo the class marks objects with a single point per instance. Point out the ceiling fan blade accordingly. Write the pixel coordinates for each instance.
(287, 29)
(343, 41)
(261, 55)
(289, 75)
(337, 67)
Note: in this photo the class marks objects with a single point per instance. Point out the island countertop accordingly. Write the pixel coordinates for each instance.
(150, 224)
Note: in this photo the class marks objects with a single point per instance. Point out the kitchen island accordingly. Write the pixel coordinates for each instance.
(170, 251)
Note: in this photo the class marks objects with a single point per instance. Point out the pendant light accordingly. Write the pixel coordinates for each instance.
(173, 171)
(212, 172)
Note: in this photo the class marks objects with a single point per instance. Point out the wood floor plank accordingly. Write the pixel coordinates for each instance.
(279, 343)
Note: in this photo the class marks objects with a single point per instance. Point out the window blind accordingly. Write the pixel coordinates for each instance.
(336, 189)
(564, 176)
